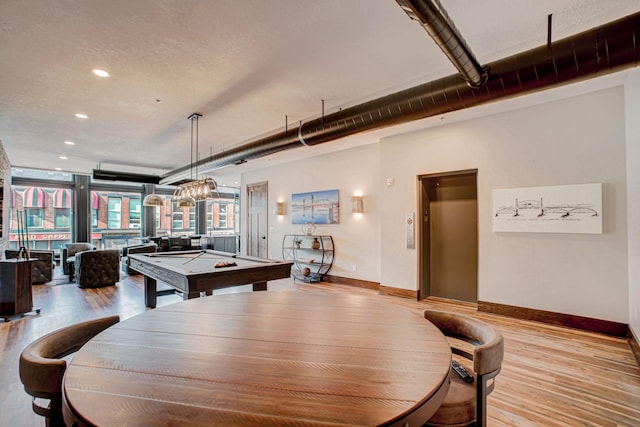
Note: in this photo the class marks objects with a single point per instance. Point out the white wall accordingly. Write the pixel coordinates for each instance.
(356, 239)
(5, 175)
(632, 108)
(573, 141)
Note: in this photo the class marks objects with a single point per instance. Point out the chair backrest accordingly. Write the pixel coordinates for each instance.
(179, 243)
(74, 248)
(42, 268)
(487, 355)
(97, 268)
(69, 250)
(42, 367)
(140, 249)
(163, 244)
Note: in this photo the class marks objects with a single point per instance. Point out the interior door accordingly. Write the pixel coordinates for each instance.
(257, 220)
(449, 236)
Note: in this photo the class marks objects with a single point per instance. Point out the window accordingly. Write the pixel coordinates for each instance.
(62, 218)
(171, 220)
(192, 219)
(95, 208)
(209, 221)
(42, 175)
(35, 217)
(177, 223)
(116, 219)
(115, 213)
(223, 213)
(222, 219)
(61, 208)
(44, 213)
(135, 212)
(183, 220)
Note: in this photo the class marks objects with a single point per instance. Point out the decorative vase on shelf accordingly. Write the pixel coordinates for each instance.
(316, 243)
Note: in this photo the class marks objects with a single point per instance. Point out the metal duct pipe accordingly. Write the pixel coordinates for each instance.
(603, 50)
(443, 31)
(259, 148)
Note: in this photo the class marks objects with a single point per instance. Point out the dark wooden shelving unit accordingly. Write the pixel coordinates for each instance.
(15, 288)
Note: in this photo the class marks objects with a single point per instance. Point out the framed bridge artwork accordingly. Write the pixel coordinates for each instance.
(553, 209)
(317, 207)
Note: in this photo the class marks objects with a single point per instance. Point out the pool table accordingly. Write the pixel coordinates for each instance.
(193, 272)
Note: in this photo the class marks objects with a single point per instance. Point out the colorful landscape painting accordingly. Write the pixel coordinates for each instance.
(317, 207)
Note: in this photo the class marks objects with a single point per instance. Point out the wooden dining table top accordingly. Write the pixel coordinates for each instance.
(262, 358)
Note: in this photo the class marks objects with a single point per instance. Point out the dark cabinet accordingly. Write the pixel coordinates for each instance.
(15, 288)
(41, 267)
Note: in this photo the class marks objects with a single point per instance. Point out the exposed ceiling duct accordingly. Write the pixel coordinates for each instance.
(603, 50)
(436, 21)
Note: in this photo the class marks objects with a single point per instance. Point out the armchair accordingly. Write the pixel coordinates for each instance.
(94, 269)
(42, 269)
(69, 250)
(138, 249)
(180, 243)
(166, 244)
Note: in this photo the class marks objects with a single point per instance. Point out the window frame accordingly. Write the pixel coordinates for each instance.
(118, 211)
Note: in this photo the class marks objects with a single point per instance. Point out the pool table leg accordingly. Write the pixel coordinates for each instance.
(150, 296)
(190, 295)
(260, 286)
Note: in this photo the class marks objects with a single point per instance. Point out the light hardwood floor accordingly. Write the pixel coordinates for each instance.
(551, 376)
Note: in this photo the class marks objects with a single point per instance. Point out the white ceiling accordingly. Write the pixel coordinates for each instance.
(244, 65)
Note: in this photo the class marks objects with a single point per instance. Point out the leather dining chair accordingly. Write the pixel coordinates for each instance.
(466, 402)
(42, 365)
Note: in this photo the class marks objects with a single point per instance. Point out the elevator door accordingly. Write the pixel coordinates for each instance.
(450, 237)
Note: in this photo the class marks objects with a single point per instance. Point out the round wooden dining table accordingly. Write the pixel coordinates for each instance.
(302, 358)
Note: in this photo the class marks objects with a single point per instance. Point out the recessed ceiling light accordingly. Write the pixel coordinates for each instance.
(62, 157)
(58, 169)
(70, 143)
(82, 116)
(101, 73)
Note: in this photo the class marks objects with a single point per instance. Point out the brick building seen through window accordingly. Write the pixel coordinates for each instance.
(116, 217)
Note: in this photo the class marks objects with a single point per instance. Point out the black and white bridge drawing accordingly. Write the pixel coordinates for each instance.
(538, 208)
(554, 209)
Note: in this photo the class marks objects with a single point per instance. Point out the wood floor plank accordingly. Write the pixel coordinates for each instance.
(552, 376)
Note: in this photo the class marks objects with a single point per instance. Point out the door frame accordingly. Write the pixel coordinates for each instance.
(422, 268)
(249, 235)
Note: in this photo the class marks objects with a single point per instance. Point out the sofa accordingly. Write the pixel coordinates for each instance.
(97, 268)
(138, 249)
(42, 267)
(69, 250)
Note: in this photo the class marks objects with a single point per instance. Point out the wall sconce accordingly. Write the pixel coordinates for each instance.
(356, 205)
(280, 209)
